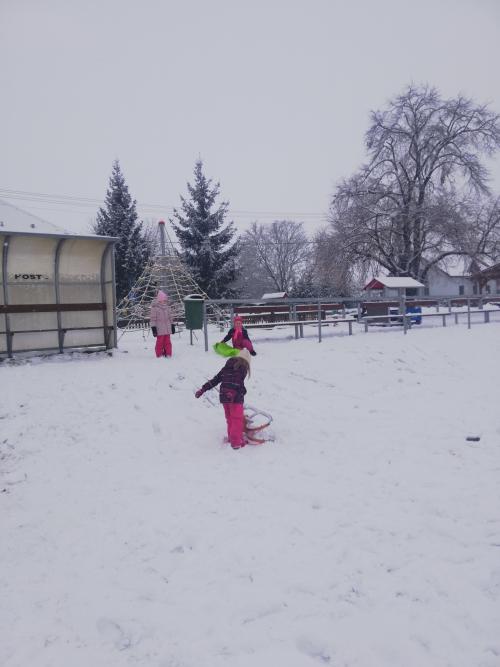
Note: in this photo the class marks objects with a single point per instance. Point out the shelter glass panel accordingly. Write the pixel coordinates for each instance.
(80, 261)
(30, 270)
(23, 342)
(80, 292)
(82, 338)
(109, 296)
(32, 321)
(109, 304)
(80, 280)
(80, 319)
(2, 240)
(3, 318)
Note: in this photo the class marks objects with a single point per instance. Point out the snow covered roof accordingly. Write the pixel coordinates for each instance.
(462, 266)
(456, 265)
(275, 295)
(13, 219)
(379, 282)
(491, 272)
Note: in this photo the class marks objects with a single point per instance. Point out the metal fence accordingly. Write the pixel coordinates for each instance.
(351, 312)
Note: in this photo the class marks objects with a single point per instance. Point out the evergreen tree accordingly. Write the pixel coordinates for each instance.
(205, 238)
(305, 286)
(118, 218)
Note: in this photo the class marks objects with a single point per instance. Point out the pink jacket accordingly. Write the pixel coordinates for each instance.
(161, 317)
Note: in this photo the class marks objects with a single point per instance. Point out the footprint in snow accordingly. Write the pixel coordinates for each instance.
(314, 649)
(113, 633)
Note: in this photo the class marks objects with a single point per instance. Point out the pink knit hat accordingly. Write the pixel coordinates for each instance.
(238, 319)
(161, 296)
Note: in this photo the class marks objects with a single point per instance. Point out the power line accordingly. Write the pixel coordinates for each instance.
(89, 202)
(242, 243)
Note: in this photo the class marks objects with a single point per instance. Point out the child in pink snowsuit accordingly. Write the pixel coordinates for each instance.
(231, 395)
(239, 336)
(161, 325)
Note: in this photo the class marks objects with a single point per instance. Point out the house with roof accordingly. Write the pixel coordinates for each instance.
(394, 287)
(488, 279)
(460, 275)
(390, 292)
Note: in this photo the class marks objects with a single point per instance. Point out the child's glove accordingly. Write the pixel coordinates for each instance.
(199, 393)
(253, 353)
(155, 333)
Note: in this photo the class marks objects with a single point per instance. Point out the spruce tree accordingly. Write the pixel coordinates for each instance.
(205, 238)
(305, 287)
(118, 218)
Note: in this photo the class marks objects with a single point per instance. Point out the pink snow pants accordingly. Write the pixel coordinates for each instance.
(163, 347)
(235, 422)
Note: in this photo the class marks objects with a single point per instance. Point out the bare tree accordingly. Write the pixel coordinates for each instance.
(404, 209)
(251, 280)
(281, 250)
(480, 237)
(333, 268)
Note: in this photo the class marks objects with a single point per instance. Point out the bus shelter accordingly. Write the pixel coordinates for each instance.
(57, 292)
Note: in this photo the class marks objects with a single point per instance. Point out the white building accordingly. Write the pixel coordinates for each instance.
(393, 287)
(459, 276)
(488, 279)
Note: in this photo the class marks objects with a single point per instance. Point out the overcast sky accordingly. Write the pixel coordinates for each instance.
(274, 95)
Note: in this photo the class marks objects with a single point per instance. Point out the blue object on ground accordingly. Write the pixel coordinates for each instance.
(418, 311)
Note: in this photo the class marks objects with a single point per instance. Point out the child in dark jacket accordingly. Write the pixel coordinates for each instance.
(232, 392)
(239, 336)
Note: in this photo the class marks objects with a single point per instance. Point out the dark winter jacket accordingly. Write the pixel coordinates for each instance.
(231, 377)
(230, 335)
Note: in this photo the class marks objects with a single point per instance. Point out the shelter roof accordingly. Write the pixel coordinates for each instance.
(14, 220)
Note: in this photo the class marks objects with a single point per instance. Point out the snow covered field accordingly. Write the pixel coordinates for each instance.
(366, 535)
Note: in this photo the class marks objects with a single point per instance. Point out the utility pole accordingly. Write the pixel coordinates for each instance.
(161, 227)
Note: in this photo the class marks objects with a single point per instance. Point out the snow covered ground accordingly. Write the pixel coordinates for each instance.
(366, 535)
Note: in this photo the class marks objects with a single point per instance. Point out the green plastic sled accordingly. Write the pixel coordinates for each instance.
(225, 350)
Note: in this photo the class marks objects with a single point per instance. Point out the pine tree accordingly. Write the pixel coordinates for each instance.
(118, 218)
(305, 286)
(205, 238)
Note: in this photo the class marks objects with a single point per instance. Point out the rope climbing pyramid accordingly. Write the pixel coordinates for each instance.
(166, 271)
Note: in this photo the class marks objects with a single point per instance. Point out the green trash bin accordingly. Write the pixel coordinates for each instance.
(193, 307)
